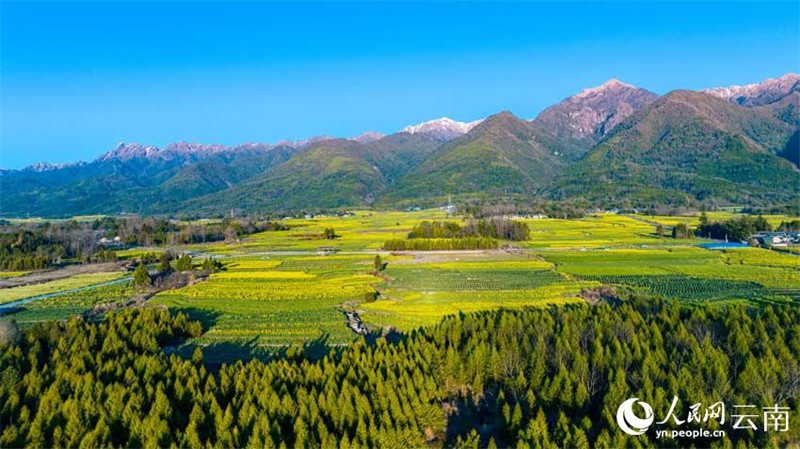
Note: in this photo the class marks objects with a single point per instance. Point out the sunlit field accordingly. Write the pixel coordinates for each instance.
(360, 231)
(278, 301)
(78, 281)
(689, 273)
(65, 305)
(693, 219)
(275, 290)
(595, 231)
(11, 274)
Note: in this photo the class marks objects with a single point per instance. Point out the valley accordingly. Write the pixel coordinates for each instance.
(400, 225)
(276, 288)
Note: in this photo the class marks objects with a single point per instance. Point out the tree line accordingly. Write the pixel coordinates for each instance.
(30, 246)
(735, 229)
(495, 228)
(160, 231)
(444, 244)
(538, 378)
(30, 250)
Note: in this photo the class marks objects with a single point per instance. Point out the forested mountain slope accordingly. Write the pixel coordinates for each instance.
(328, 174)
(687, 147)
(501, 155)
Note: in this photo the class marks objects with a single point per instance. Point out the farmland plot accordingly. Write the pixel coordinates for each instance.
(278, 304)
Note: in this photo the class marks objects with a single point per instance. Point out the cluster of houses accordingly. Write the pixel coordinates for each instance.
(776, 238)
(525, 217)
(114, 243)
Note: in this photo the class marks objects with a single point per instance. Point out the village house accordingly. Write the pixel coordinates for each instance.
(779, 239)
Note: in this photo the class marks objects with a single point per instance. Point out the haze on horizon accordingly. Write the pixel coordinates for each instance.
(76, 78)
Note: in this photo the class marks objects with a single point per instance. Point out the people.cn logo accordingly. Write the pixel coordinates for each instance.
(629, 422)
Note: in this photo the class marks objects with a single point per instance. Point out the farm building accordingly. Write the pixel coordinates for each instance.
(776, 238)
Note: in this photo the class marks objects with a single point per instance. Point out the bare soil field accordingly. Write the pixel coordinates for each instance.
(39, 277)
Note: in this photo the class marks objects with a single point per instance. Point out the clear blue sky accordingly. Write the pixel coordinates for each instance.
(77, 78)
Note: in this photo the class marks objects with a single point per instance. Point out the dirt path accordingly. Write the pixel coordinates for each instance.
(651, 223)
(39, 277)
(173, 281)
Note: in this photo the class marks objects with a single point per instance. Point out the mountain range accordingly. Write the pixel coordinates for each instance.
(613, 145)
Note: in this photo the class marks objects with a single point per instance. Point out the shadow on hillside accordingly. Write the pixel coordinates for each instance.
(215, 354)
(392, 336)
(464, 414)
(229, 352)
(317, 348)
(206, 317)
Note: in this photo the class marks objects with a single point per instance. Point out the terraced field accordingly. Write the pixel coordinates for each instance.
(693, 219)
(363, 230)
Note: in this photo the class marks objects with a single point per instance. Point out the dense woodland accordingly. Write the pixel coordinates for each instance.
(535, 378)
(789, 225)
(26, 250)
(29, 246)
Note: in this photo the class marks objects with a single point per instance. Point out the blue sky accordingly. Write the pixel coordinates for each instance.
(77, 78)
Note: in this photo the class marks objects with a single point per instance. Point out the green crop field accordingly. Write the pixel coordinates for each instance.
(362, 230)
(595, 231)
(65, 305)
(274, 290)
(694, 218)
(8, 295)
(277, 301)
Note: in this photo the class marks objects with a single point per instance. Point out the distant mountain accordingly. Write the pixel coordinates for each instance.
(46, 166)
(442, 128)
(181, 151)
(219, 172)
(574, 126)
(614, 144)
(134, 178)
(779, 97)
(684, 148)
(500, 155)
(369, 136)
(328, 174)
(759, 94)
(791, 151)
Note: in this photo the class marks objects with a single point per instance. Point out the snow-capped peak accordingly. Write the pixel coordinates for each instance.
(46, 166)
(367, 137)
(442, 128)
(753, 94)
(125, 151)
(612, 84)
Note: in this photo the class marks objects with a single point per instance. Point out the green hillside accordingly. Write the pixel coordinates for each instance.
(684, 148)
(332, 173)
(499, 156)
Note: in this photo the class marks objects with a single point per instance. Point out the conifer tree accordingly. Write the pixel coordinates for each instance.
(140, 276)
